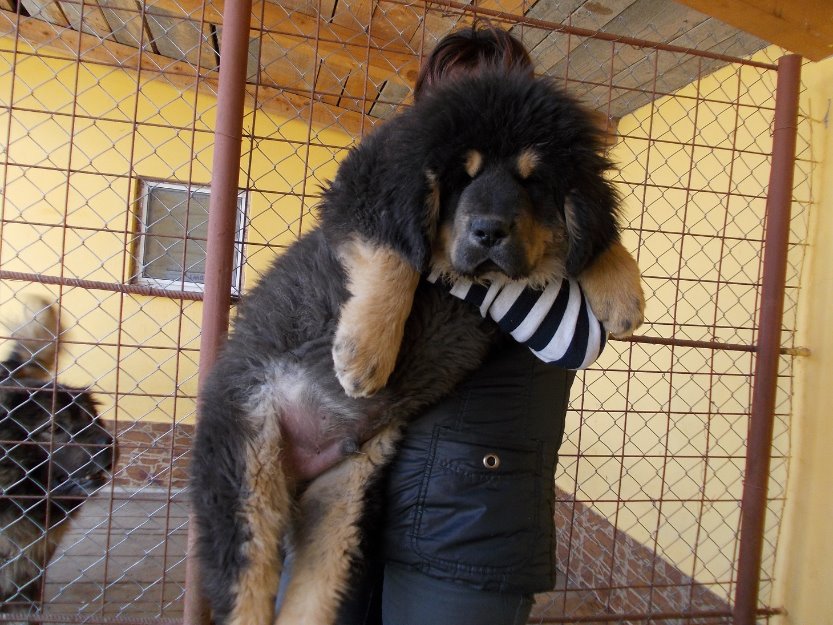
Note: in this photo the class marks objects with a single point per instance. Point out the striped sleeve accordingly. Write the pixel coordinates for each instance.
(556, 323)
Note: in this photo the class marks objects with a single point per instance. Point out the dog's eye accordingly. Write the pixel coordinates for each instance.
(528, 181)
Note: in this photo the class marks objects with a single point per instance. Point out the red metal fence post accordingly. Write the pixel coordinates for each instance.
(776, 242)
(222, 224)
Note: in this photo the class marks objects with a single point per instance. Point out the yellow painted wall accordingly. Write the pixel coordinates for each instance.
(75, 161)
(682, 417)
(806, 566)
(803, 570)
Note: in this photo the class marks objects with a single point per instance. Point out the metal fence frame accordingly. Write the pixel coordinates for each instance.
(768, 349)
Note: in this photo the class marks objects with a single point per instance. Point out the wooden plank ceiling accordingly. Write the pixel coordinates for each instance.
(802, 26)
(359, 60)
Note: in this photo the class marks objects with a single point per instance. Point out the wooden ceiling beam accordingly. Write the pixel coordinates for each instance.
(801, 26)
(343, 46)
(68, 43)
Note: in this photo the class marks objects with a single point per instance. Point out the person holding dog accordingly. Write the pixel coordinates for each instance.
(461, 543)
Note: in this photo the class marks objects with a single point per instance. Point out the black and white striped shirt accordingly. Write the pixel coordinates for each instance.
(556, 323)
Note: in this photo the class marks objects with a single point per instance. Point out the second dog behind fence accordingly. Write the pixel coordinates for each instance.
(56, 453)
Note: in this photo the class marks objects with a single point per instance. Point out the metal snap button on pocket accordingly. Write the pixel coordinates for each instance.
(491, 461)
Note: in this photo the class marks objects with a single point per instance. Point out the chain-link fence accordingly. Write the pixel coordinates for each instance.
(107, 117)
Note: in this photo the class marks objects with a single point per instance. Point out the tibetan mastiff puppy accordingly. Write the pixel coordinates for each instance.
(342, 341)
(55, 454)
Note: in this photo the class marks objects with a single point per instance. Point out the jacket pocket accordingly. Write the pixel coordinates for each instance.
(479, 506)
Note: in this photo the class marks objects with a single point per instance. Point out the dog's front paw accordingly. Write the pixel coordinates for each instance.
(362, 365)
(613, 287)
(621, 312)
(372, 320)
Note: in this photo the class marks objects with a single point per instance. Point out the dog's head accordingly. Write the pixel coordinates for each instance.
(517, 176)
(53, 441)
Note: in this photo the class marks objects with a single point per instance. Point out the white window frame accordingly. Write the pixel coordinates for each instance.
(145, 186)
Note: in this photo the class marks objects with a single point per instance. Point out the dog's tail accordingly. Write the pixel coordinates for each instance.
(36, 342)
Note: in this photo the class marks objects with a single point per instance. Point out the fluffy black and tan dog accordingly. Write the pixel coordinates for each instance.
(55, 454)
(496, 175)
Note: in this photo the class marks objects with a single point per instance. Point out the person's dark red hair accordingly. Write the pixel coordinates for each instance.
(470, 50)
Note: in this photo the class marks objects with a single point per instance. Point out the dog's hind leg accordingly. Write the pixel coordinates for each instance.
(266, 511)
(329, 536)
(242, 503)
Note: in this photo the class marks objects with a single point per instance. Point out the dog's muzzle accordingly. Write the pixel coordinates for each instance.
(486, 233)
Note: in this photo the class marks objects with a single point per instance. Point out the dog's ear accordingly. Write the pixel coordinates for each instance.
(412, 204)
(385, 193)
(591, 215)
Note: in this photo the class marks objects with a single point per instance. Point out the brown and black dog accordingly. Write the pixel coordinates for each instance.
(55, 454)
(499, 175)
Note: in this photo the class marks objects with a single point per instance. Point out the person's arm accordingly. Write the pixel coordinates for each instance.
(556, 323)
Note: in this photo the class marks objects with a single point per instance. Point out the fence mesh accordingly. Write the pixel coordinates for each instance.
(107, 111)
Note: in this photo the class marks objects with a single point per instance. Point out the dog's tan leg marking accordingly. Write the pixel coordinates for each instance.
(372, 321)
(613, 288)
(266, 512)
(328, 537)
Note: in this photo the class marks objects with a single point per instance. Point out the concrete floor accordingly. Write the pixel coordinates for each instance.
(130, 564)
(126, 563)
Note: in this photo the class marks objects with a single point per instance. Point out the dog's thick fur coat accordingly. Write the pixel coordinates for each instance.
(55, 454)
(500, 174)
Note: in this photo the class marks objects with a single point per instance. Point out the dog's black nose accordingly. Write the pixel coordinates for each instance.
(488, 231)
